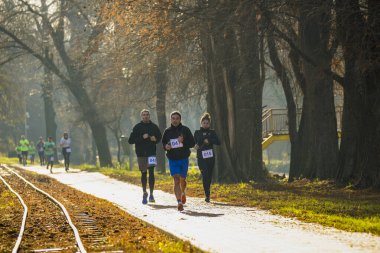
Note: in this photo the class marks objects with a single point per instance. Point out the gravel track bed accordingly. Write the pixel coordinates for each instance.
(46, 226)
(103, 226)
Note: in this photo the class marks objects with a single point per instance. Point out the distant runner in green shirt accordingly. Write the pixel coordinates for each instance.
(32, 152)
(49, 147)
(24, 143)
(18, 151)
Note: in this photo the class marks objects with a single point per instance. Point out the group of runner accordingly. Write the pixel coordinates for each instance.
(177, 140)
(45, 149)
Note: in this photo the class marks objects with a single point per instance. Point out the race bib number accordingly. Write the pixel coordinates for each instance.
(52, 159)
(175, 143)
(68, 150)
(41, 149)
(152, 160)
(207, 153)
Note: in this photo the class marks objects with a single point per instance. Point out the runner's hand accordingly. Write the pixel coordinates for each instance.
(180, 139)
(153, 138)
(196, 147)
(145, 136)
(205, 141)
(168, 147)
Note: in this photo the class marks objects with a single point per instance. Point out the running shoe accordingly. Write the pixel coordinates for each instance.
(207, 199)
(183, 198)
(180, 206)
(151, 198)
(145, 198)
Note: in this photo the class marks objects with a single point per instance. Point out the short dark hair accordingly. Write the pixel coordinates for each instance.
(176, 113)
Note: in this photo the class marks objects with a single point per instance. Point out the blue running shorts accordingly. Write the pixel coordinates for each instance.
(179, 167)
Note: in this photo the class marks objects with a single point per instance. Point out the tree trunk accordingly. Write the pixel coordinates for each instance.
(100, 137)
(296, 156)
(232, 64)
(91, 117)
(225, 168)
(359, 156)
(249, 93)
(94, 155)
(117, 133)
(47, 87)
(47, 94)
(161, 88)
(76, 80)
(291, 105)
(318, 138)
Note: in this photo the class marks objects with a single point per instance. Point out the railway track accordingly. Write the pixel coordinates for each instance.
(43, 217)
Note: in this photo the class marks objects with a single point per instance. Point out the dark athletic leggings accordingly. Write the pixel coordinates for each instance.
(151, 179)
(206, 167)
(66, 157)
(42, 158)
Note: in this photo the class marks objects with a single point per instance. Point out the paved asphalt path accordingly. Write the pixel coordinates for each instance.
(217, 227)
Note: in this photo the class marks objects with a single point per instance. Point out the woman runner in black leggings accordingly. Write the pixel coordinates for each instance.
(205, 138)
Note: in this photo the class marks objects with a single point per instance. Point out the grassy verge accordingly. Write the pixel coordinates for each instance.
(311, 201)
(10, 211)
(6, 160)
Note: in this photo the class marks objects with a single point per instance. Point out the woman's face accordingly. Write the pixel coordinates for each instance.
(205, 124)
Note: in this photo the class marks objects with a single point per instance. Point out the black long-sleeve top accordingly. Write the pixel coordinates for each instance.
(145, 147)
(173, 132)
(202, 134)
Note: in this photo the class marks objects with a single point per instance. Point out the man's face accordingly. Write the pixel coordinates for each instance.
(175, 119)
(66, 136)
(145, 117)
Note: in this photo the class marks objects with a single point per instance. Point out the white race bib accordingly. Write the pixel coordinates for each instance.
(152, 160)
(207, 153)
(175, 143)
(68, 150)
(52, 159)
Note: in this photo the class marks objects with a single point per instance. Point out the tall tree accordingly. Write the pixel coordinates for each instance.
(74, 75)
(359, 33)
(47, 84)
(318, 140)
(161, 89)
(231, 46)
(308, 33)
(282, 74)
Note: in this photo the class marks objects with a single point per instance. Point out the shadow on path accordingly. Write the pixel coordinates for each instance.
(187, 212)
(224, 204)
(162, 206)
(198, 214)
